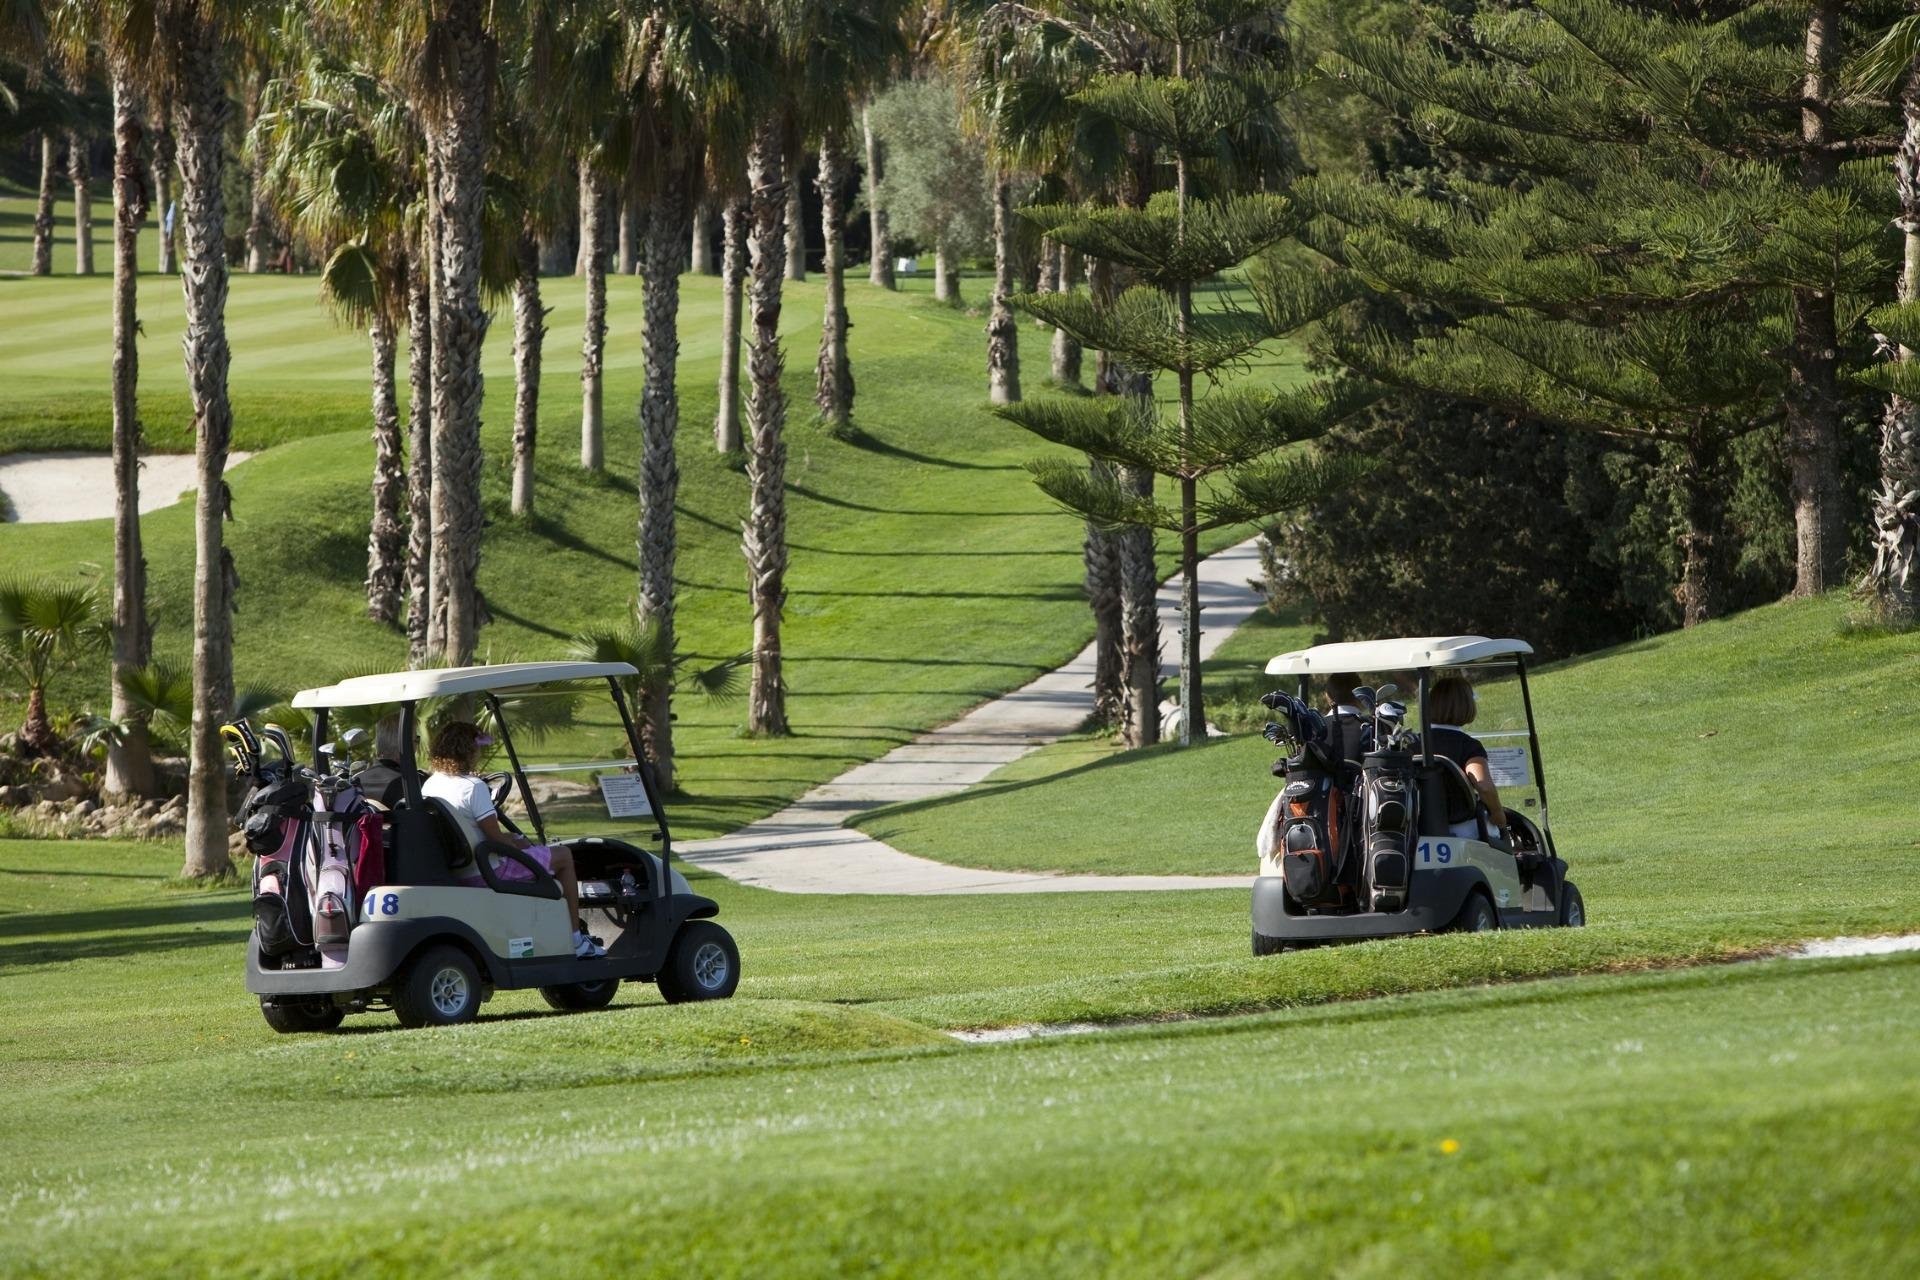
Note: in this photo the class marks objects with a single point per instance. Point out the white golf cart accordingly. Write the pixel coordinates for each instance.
(1365, 839)
(429, 943)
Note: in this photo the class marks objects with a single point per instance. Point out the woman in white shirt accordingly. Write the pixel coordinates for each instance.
(453, 752)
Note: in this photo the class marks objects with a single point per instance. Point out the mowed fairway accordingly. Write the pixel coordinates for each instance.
(1750, 1121)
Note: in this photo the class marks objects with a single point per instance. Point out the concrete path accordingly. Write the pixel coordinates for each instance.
(806, 848)
(48, 487)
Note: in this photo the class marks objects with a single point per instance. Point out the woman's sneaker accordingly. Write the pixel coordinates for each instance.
(585, 948)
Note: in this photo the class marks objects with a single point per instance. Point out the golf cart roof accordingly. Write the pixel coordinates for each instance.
(411, 686)
(1394, 655)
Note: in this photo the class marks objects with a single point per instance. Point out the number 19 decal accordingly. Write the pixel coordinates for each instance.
(380, 904)
(1433, 853)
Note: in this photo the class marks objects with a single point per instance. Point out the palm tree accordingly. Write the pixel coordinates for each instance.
(765, 530)
(43, 211)
(733, 275)
(420, 434)
(1003, 331)
(44, 625)
(188, 49)
(1890, 581)
(341, 157)
(80, 173)
(880, 261)
(163, 191)
(659, 669)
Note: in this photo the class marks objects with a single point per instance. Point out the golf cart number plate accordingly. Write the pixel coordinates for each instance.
(625, 794)
(1433, 854)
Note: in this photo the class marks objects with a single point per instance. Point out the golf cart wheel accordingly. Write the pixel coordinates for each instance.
(581, 997)
(702, 964)
(1265, 946)
(1573, 908)
(289, 1018)
(439, 989)
(1476, 916)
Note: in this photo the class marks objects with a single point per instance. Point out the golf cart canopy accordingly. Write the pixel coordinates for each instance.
(1416, 653)
(411, 686)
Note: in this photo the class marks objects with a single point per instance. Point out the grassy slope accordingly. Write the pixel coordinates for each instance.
(1750, 1121)
(928, 573)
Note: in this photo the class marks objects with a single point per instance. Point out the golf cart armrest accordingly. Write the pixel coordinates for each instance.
(543, 884)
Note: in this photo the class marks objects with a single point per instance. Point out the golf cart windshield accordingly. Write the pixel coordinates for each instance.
(1500, 725)
(566, 751)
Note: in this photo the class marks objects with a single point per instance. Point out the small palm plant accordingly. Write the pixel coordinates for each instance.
(646, 647)
(162, 692)
(45, 625)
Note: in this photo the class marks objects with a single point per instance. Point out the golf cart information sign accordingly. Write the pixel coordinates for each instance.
(1507, 766)
(625, 795)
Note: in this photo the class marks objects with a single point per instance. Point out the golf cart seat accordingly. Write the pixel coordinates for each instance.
(466, 850)
(1458, 801)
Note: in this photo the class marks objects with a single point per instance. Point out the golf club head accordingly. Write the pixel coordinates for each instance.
(1385, 690)
(352, 739)
(278, 737)
(1392, 712)
(1363, 698)
(1273, 701)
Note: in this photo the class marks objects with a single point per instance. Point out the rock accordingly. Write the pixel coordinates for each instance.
(58, 788)
(10, 796)
(86, 807)
(176, 805)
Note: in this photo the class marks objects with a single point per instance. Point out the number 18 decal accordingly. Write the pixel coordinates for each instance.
(380, 904)
(1433, 853)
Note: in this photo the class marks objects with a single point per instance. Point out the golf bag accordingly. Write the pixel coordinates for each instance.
(273, 819)
(1313, 819)
(1388, 800)
(345, 857)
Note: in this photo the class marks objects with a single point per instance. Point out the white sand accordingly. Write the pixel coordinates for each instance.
(48, 487)
(1827, 948)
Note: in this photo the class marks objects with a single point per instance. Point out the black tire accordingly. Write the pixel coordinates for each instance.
(1476, 915)
(1265, 946)
(290, 1018)
(581, 997)
(439, 989)
(1573, 908)
(702, 964)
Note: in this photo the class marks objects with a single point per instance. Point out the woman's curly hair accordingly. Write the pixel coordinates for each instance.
(455, 747)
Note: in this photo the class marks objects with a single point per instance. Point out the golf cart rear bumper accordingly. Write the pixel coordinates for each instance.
(1436, 897)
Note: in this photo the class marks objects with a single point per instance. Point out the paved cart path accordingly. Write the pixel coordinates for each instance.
(806, 848)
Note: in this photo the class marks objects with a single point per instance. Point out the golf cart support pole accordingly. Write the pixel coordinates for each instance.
(519, 776)
(1426, 722)
(1533, 745)
(646, 783)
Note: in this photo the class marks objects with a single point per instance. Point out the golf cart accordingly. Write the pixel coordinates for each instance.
(1364, 840)
(358, 907)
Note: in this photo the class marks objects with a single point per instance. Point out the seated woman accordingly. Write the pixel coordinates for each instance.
(1451, 704)
(454, 750)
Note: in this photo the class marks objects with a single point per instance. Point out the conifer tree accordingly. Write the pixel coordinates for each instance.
(1228, 438)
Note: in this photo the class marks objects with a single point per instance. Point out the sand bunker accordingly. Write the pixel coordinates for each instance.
(47, 487)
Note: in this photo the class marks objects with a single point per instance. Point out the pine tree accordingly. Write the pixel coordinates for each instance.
(1228, 438)
(1625, 184)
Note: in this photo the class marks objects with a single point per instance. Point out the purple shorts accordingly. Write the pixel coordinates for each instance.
(509, 870)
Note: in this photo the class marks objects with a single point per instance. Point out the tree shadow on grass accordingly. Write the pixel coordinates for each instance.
(106, 933)
(185, 909)
(154, 876)
(873, 444)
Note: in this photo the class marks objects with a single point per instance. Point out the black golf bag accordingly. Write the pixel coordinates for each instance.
(1388, 802)
(273, 819)
(1313, 827)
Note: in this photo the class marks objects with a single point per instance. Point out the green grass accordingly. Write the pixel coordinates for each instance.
(1743, 1121)
(928, 574)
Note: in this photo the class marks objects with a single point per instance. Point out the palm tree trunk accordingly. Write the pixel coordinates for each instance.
(1101, 555)
(37, 737)
(387, 539)
(946, 274)
(765, 530)
(700, 249)
(593, 343)
(880, 265)
(1003, 331)
(1047, 274)
(200, 118)
(529, 332)
(1813, 402)
(1896, 505)
(130, 760)
(419, 452)
(457, 130)
(43, 211)
(163, 184)
(1193, 702)
(796, 227)
(81, 174)
(582, 205)
(629, 234)
(659, 468)
(733, 271)
(1066, 351)
(833, 373)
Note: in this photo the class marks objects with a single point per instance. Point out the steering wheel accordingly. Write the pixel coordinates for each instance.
(501, 786)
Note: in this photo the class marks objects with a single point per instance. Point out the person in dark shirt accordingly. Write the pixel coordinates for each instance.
(1344, 716)
(384, 781)
(1451, 706)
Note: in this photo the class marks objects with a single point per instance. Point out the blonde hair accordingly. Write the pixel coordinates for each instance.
(455, 747)
(1450, 701)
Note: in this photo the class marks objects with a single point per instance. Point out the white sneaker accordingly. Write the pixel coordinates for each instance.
(585, 948)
